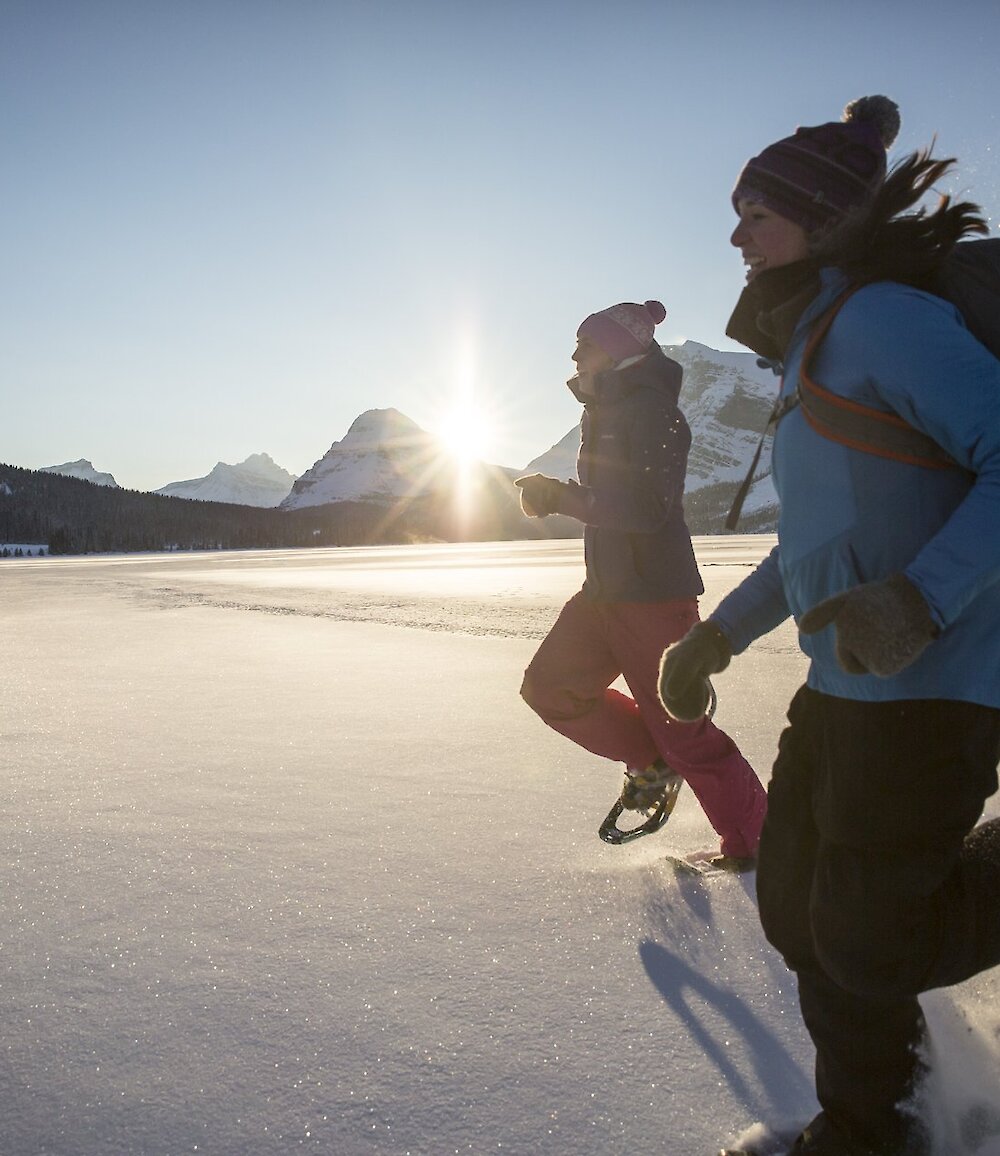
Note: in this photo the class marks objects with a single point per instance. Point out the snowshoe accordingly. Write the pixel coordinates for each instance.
(651, 792)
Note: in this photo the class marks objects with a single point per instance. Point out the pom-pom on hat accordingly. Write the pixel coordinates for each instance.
(624, 330)
(819, 175)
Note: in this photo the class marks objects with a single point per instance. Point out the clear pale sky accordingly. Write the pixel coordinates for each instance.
(231, 226)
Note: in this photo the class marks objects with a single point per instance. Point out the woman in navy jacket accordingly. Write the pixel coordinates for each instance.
(642, 583)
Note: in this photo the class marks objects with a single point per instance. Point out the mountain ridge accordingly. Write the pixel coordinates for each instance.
(83, 469)
(256, 481)
(385, 458)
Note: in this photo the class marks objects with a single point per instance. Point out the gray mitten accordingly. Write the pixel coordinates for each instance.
(539, 494)
(881, 627)
(685, 669)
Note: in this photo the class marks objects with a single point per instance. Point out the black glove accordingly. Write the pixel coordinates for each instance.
(686, 667)
(881, 626)
(539, 494)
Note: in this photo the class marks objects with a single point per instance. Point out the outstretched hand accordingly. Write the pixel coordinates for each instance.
(881, 627)
(539, 494)
(685, 669)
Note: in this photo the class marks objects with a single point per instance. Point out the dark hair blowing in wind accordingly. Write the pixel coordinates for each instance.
(898, 239)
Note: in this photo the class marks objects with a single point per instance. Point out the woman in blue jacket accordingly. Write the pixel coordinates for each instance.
(874, 881)
(642, 584)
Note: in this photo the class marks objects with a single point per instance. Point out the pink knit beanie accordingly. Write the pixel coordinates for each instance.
(623, 330)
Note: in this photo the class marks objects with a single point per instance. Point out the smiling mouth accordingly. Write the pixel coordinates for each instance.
(753, 266)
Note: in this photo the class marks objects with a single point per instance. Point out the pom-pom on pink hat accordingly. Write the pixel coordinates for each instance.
(623, 330)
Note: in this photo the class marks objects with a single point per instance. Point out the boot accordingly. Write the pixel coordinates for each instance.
(644, 789)
(823, 1138)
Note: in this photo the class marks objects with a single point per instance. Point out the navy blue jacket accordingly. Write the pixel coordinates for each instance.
(632, 461)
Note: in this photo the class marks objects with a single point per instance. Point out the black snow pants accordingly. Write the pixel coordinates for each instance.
(872, 887)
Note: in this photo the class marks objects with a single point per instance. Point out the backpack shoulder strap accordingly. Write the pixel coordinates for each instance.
(861, 427)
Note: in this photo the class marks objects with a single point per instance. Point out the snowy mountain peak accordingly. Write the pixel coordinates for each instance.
(382, 425)
(262, 462)
(384, 456)
(258, 481)
(82, 469)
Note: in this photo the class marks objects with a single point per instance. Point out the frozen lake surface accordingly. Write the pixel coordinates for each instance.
(287, 864)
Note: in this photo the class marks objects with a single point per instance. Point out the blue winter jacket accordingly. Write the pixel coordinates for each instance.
(631, 465)
(849, 517)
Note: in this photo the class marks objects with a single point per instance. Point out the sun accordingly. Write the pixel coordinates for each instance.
(464, 432)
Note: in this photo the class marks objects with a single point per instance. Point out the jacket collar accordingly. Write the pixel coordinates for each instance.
(769, 308)
(623, 379)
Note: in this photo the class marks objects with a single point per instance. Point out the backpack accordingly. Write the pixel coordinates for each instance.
(970, 280)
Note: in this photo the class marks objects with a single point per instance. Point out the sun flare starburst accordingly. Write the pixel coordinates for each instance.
(465, 432)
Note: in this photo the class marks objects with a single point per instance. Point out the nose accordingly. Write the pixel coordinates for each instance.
(738, 235)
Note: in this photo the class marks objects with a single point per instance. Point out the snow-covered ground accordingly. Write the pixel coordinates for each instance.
(287, 864)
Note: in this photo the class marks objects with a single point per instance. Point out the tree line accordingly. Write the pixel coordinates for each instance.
(73, 516)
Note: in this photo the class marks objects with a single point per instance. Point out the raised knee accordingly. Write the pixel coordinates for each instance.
(542, 698)
(529, 690)
(552, 702)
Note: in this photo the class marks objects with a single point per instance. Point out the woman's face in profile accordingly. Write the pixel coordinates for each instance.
(767, 240)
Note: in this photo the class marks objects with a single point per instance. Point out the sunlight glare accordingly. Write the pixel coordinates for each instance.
(464, 427)
(465, 433)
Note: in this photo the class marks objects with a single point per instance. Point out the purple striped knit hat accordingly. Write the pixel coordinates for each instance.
(818, 176)
(624, 330)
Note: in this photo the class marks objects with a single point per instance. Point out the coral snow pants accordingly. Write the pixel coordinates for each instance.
(874, 886)
(568, 685)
